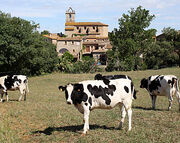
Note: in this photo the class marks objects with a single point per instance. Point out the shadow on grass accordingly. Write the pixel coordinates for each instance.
(150, 109)
(10, 100)
(49, 130)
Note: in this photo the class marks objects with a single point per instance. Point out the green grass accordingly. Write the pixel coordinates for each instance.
(45, 116)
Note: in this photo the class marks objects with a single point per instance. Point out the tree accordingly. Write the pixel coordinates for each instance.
(131, 39)
(45, 32)
(22, 49)
(160, 54)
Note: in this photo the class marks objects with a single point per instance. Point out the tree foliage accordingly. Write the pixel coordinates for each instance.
(22, 49)
(164, 52)
(130, 40)
(68, 65)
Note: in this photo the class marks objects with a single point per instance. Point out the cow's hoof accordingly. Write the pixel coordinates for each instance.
(83, 134)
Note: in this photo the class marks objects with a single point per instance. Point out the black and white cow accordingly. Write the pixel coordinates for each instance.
(92, 94)
(161, 85)
(14, 82)
(111, 77)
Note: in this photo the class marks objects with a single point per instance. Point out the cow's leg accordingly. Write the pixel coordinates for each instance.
(127, 104)
(7, 96)
(129, 112)
(86, 119)
(153, 97)
(25, 95)
(178, 98)
(1, 97)
(170, 99)
(22, 91)
(123, 115)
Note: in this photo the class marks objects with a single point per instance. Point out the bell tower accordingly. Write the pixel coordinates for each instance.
(70, 15)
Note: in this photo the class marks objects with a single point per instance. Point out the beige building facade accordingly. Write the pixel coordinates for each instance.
(82, 38)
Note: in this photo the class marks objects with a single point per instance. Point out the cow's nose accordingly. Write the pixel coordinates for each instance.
(68, 102)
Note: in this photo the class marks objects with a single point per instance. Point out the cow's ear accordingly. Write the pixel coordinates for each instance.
(62, 88)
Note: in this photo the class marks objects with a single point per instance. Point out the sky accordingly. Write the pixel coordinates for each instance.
(50, 14)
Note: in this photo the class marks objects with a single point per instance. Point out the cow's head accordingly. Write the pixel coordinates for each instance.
(144, 83)
(74, 93)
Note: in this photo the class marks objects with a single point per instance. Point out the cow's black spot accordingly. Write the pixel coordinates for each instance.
(169, 81)
(9, 81)
(90, 101)
(173, 81)
(102, 92)
(100, 77)
(149, 78)
(161, 78)
(78, 95)
(86, 104)
(154, 85)
(126, 89)
(144, 83)
(119, 76)
(106, 81)
(25, 81)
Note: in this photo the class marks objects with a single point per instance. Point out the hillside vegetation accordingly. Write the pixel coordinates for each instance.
(45, 116)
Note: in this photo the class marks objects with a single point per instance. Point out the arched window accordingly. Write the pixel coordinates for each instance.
(63, 50)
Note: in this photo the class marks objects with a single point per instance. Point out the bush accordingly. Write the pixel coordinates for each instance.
(66, 64)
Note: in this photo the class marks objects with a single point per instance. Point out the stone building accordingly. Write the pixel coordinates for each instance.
(83, 38)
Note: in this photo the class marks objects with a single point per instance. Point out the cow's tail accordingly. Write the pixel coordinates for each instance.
(133, 91)
(27, 88)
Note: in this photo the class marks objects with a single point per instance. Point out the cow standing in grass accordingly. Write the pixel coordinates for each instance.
(101, 94)
(106, 79)
(14, 82)
(161, 85)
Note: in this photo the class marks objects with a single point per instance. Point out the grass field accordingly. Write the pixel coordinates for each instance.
(45, 116)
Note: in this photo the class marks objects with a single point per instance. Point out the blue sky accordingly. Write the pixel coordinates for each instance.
(50, 14)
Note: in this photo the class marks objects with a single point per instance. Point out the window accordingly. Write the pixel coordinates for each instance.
(73, 51)
(84, 27)
(87, 31)
(72, 42)
(65, 42)
(93, 27)
(97, 30)
(63, 50)
(79, 30)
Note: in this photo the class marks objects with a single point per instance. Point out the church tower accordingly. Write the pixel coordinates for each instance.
(70, 15)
